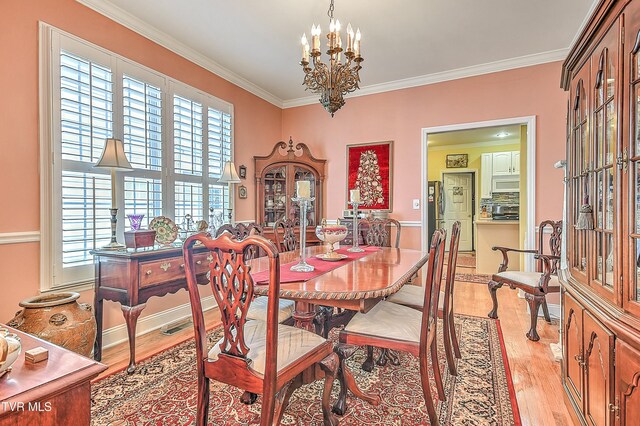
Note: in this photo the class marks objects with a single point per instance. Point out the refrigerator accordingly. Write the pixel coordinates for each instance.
(435, 207)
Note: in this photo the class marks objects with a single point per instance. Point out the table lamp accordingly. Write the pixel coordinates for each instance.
(229, 176)
(113, 158)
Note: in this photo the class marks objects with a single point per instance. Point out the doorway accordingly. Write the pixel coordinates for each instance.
(459, 202)
(526, 173)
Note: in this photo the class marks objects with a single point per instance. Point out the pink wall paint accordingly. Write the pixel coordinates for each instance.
(398, 115)
(402, 114)
(258, 123)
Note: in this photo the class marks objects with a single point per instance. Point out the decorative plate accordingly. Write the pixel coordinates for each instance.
(166, 230)
(335, 258)
(202, 225)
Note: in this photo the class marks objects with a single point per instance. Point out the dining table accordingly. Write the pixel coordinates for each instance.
(356, 283)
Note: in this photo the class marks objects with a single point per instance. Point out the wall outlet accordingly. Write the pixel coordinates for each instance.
(416, 204)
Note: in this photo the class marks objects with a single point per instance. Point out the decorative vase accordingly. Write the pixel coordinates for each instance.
(58, 318)
(135, 220)
(10, 348)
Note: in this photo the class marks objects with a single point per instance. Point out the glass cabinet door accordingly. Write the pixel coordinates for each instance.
(632, 167)
(578, 175)
(302, 173)
(275, 194)
(604, 150)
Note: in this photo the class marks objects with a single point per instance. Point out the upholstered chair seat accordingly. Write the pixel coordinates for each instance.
(530, 279)
(413, 296)
(293, 344)
(258, 309)
(387, 319)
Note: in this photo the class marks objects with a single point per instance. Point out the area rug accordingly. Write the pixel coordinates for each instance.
(473, 278)
(465, 260)
(163, 390)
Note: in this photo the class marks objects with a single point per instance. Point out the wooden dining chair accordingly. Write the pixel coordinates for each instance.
(261, 357)
(397, 327)
(535, 285)
(258, 309)
(413, 296)
(378, 232)
(285, 235)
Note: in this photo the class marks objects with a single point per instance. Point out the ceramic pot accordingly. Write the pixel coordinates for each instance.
(10, 348)
(58, 318)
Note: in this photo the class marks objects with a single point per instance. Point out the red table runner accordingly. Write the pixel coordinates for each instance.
(321, 267)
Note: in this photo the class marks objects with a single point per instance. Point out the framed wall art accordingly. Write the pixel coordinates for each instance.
(242, 171)
(242, 192)
(370, 169)
(457, 161)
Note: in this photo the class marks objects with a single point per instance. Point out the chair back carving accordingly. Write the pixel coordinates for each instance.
(432, 289)
(240, 231)
(454, 242)
(378, 233)
(233, 289)
(288, 240)
(554, 245)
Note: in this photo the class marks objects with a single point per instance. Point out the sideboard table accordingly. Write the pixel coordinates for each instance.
(132, 276)
(56, 391)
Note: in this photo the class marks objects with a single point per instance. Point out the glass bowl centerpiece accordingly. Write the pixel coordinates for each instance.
(331, 234)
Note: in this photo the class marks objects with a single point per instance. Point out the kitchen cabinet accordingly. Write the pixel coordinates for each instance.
(506, 163)
(486, 173)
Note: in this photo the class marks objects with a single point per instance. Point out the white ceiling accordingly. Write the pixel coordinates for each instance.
(259, 41)
(472, 136)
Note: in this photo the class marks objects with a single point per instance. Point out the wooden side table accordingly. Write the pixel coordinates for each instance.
(132, 276)
(52, 392)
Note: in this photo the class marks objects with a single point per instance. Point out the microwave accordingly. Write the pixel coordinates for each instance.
(505, 184)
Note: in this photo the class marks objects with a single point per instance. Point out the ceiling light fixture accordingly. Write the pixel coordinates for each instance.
(502, 134)
(335, 79)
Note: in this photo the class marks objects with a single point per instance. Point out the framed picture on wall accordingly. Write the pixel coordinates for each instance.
(370, 169)
(457, 161)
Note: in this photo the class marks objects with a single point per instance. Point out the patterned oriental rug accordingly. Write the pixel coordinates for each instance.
(473, 278)
(163, 390)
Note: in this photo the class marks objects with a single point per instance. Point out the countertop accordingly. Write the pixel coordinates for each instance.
(489, 221)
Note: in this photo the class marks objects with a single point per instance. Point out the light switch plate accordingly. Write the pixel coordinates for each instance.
(416, 204)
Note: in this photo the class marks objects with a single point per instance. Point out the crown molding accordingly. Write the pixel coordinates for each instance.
(474, 144)
(439, 77)
(135, 24)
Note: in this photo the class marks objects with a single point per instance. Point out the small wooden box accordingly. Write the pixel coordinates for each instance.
(139, 238)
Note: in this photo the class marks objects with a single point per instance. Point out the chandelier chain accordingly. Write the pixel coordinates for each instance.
(330, 11)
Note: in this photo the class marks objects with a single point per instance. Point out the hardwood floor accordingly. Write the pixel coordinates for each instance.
(536, 376)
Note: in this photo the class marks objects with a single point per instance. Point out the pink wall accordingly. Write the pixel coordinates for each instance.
(258, 123)
(400, 115)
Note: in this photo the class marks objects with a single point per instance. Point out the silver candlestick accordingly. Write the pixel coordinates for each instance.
(355, 248)
(303, 266)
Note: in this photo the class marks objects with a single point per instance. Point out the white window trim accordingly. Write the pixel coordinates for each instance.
(49, 135)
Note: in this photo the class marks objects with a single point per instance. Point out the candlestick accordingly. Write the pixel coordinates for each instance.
(303, 189)
(355, 248)
(354, 195)
(303, 266)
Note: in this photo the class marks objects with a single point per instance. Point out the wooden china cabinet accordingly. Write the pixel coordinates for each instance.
(276, 177)
(601, 284)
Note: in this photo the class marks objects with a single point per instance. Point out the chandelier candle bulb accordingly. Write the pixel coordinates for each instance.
(303, 189)
(355, 195)
(349, 38)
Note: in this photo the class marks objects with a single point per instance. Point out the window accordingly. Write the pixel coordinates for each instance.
(176, 138)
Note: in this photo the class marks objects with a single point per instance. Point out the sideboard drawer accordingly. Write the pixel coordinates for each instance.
(166, 270)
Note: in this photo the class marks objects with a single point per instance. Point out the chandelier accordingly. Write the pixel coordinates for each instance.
(335, 79)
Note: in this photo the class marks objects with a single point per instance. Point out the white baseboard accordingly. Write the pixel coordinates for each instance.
(118, 334)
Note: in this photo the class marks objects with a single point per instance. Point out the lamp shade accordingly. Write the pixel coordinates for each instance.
(229, 174)
(113, 156)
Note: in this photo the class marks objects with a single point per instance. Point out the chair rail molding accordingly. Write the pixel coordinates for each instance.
(19, 237)
(530, 122)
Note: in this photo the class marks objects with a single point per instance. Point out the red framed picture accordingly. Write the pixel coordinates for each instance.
(370, 169)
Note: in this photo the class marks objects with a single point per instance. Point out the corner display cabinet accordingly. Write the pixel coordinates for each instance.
(601, 284)
(276, 177)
